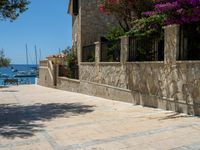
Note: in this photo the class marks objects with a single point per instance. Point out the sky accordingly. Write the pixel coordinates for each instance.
(45, 24)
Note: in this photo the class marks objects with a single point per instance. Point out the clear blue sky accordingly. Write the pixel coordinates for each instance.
(46, 24)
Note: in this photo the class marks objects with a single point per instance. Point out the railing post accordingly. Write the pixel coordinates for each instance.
(97, 51)
(172, 43)
(124, 49)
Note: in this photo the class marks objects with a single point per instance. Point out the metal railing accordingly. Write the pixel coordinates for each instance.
(88, 53)
(110, 51)
(146, 49)
(72, 72)
(189, 48)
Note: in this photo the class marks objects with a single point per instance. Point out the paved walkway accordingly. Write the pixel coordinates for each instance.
(39, 118)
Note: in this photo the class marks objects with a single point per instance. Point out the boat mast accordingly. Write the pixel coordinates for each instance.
(40, 54)
(36, 61)
(27, 56)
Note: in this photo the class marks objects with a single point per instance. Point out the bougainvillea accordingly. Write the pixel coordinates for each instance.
(125, 10)
(166, 12)
(177, 11)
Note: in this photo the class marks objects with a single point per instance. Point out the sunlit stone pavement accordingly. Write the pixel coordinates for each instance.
(38, 118)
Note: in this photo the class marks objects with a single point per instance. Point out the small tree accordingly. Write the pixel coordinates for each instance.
(125, 10)
(4, 62)
(11, 9)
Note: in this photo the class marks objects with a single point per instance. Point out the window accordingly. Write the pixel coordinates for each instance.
(190, 42)
(75, 7)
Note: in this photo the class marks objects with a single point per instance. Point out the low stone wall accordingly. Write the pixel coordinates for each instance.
(153, 84)
(45, 77)
(68, 84)
(46, 74)
(170, 84)
(95, 89)
(104, 73)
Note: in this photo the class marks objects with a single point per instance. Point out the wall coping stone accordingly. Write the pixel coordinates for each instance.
(172, 25)
(87, 63)
(188, 62)
(97, 42)
(105, 85)
(146, 62)
(109, 63)
(65, 78)
(43, 67)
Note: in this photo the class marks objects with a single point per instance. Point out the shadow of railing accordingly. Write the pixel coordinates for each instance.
(22, 121)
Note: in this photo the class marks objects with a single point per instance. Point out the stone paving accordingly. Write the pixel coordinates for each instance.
(38, 118)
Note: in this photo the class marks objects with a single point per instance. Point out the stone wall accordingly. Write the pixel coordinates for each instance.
(169, 84)
(95, 89)
(151, 84)
(89, 25)
(46, 74)
(93, 22)
(68, 84)
(104, 73)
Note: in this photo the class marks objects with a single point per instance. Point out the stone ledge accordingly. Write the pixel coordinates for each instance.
(109, 63)
(87, 63)
(68, 79)
(105, 85)
(188, 62)
(43, 67)
(145, 62)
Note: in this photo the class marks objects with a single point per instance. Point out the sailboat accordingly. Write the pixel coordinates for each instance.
(3, 75)
(28, 73)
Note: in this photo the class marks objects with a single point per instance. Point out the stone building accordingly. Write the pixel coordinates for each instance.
(172, 83)
(88, 23)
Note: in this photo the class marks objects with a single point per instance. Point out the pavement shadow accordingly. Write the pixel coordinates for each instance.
(9, 91)
(23, 121)
(175, 116)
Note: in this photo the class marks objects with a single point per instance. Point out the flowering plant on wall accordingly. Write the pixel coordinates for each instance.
(177, 11)
(166, 12)
(125, 10)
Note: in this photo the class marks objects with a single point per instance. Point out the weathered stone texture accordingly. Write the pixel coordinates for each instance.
(89, 25)
(93, 22)
(68, 84)
(189, 82)
(145, 78)
(88, 72)
(45, 77)
(106, 73)
(171, 43)
(169, 84)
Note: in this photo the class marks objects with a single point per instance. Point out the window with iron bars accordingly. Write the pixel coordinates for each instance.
(88, 53)
(146, 49)
(189, 48)
(110, 51)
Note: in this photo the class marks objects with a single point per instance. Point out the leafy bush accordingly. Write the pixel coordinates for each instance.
(71, 64)
(148, 27)
(4, 62)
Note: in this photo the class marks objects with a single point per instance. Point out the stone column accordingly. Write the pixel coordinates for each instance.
(172, 42)
(124, 58)
(124, 49)
(97, 51)
(171, 82)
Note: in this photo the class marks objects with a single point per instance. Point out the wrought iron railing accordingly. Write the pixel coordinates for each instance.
(110, 51)
(88, 53)
(146, 49)
(189, 48)
(72, 72)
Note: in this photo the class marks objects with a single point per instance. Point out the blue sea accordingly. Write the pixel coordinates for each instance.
(24, 80)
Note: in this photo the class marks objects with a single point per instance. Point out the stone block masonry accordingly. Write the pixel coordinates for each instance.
(169, 84)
